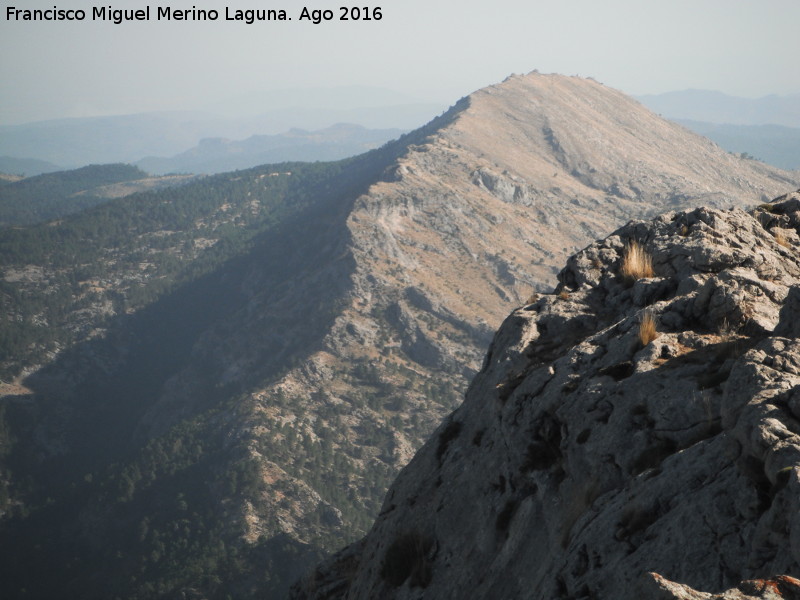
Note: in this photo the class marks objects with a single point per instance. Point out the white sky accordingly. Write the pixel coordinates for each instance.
(433, 50)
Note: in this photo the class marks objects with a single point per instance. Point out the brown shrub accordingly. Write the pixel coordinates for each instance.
(780, 237)
(636, 263)
(647, 329)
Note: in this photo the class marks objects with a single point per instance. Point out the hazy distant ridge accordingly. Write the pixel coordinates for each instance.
(774, 144)
(77, 142)
(216, 155)
(716, 107)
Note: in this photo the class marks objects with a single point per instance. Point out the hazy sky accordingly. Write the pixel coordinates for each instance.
(435, 50)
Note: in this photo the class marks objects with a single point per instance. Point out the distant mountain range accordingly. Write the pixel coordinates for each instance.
(716, 107)
(774, 144)
(71, 143)
(216, 155)
(207, 387)
(26, 166)
(767, 128)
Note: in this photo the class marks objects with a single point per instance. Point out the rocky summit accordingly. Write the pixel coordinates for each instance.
(634, 434)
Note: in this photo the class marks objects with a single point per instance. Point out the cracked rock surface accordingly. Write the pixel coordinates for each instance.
(592, 459)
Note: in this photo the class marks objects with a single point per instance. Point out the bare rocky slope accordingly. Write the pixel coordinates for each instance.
(323, 358)
(595, 457)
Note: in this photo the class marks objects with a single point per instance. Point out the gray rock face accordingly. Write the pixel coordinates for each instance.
(598, 457)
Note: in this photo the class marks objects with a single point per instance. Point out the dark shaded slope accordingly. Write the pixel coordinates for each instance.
(127, 471)
(137, 476)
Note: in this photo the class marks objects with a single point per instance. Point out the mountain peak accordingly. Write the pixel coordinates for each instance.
(599, 140)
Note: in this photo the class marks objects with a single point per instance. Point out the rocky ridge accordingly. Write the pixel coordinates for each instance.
(597, 457)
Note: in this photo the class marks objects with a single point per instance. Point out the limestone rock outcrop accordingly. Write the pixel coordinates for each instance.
(620, 426)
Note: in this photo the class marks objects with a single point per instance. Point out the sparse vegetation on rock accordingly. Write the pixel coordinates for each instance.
(647, 329)
(636, 262)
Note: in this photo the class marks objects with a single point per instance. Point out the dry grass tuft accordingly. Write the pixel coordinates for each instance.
(647, 329)
(780, 237)
(534, 297)
(636, 263)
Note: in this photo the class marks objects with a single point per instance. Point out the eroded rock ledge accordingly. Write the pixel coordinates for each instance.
(590, 454)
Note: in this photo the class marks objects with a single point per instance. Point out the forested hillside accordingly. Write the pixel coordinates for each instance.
(54, 195)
